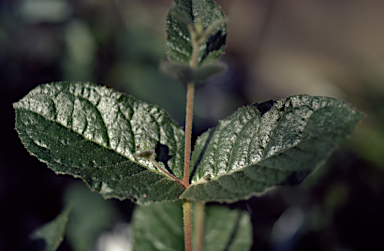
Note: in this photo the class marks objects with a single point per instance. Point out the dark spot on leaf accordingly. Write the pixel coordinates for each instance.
(162, 155)
(295, 178)
(37, 244)
(215, 42)
(264, 107)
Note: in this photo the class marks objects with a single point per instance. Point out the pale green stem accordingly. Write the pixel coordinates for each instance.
(199, 225)
(187, 213)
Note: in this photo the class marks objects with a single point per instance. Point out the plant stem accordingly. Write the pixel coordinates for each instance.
(166, 172)
(199, 225)
(195, 54)
(188, 132)
(189, 114)
(187, 213)
(187, 210)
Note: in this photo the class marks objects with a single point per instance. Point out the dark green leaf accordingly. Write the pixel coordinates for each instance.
(93, 132)
(50, 236)
(160, 227)
(253, 151)
(179, 45)
(185, 74)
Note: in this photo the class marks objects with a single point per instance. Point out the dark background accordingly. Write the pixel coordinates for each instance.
(275, 48)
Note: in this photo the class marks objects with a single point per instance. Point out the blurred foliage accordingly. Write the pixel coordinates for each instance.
(368, 141)
(115, 43)
(120, 44)
(50, 236)
(90, 216)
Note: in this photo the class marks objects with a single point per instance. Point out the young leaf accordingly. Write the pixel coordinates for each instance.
(160, 227)
(253, 151)
(184, 13)
(93, 133)
(50, 236)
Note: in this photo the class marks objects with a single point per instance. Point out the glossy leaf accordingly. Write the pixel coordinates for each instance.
(263, 146)
(50, 236)
(160, 227)
(179, 46)
(92, 132)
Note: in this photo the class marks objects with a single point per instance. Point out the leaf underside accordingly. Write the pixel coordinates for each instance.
(92, 132)
(160, 227)
(179, 47)
(253, 151)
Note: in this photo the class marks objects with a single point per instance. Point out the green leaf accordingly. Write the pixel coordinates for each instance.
(185, 74)
(179, 46)
(92, 132)
(50, 236)
(160, 227)
(261, 147)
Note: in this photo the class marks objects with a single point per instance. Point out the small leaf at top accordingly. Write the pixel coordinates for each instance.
(92, 132)
(264, 146)
(182, 14)
(50, 236)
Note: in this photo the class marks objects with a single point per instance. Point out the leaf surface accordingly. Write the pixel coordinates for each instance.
(160, 227)
(179, 47)
(50, 236)
(266, 145)
(92, 132)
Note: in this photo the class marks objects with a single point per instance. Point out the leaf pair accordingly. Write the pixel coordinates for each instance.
(92, 132)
